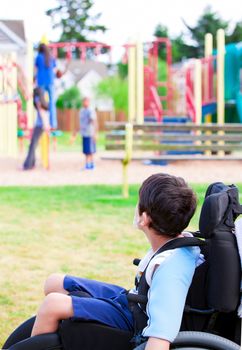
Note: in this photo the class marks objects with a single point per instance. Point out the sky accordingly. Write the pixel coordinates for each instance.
(124, 18)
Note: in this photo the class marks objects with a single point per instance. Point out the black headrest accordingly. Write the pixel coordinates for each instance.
(212, 213)
(221, 206)
(219, 211)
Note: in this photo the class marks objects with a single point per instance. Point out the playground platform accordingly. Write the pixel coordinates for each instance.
(66, 170)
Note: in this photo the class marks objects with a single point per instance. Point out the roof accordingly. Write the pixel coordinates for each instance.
(12, 35)
(16, 26)
(79, 69)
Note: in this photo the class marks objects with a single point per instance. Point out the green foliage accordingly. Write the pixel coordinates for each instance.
(161, 31)
(117, 89)
(71, 98)
(208, 22)
(75, 19)
(236, 35)
(123, 70)
(24, 102)
(182, 50)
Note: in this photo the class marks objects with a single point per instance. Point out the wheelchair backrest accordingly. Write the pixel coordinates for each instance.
(219, 211)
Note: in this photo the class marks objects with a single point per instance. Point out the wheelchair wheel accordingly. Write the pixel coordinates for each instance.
(202, 341)
(20, 333)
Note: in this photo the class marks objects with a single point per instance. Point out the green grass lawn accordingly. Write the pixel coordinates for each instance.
(80, 230)
(64, 143)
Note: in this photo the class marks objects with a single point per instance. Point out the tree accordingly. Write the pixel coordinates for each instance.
(236, 35)
(74, 19)
(182, 50)
(161, 31)
(208, 22)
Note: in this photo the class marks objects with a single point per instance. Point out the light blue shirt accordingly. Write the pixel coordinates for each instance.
(168, 291)
(87, 127)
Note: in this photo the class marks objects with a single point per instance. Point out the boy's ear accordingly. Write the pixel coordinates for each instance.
(144, 220)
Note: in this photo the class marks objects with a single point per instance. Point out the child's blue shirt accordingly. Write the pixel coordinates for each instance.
(168, 290)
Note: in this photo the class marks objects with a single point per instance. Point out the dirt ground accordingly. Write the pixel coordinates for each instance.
(66, 169)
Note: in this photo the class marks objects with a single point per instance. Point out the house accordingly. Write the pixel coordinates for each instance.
(12, 36)
(13, 39)
(86, 75)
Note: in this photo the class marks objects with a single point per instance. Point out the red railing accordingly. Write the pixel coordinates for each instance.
(208, 85)
(83, 47)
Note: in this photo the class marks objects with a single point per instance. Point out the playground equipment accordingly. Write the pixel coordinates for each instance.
(145, 100)
(171, 142)
(84, 49)
(212, 89)
(8, 106)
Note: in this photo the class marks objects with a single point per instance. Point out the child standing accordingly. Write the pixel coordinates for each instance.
(165, 207)
(88, 129)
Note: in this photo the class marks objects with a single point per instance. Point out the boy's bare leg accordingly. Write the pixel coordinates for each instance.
(54, 283)
(88, 158)
(55, 307)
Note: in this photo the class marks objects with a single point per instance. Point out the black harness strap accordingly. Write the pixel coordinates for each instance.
(137, 302)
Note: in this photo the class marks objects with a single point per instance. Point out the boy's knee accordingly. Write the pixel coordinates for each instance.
(56, 306)
(53, 283)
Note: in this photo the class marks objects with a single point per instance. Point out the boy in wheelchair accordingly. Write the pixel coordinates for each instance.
(153, 310)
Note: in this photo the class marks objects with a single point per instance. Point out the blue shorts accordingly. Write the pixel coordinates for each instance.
(107, 305)
(88, 145)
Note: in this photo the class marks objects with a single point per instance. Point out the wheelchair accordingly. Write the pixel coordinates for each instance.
(210, 320)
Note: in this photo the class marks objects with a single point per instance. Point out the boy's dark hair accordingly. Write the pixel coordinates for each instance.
(46, 52)
(169, 202)
(40, 97)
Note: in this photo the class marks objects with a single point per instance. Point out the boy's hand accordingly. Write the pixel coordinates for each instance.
(157, 344)
(94, 138)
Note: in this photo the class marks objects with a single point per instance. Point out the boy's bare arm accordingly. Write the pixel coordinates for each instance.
(157, 344)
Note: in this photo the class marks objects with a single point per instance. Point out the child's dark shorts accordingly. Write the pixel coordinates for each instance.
(88, 145)
(108, 303)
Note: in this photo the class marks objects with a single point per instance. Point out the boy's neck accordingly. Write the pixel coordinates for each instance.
(157, 241)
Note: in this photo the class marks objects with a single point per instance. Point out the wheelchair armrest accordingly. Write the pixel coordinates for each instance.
(137, 298)
(39, 342)
(189, 309)
(136, 261)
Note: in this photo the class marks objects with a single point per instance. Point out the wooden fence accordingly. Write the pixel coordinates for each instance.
(68, 119)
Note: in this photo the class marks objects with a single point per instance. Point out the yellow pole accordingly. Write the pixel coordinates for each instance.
(198, 94)
(127, 157)
(220, 75)
(30, 76)
(131, 82)
(198, 90)
(1, 108)
(44, 144)
(140, 82)
(220, 81)
(208, 53)
(13, 141)
(6, 108)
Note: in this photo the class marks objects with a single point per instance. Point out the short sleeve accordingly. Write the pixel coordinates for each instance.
(167, 295)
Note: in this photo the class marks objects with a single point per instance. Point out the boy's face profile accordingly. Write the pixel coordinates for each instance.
(86, 102)
(140, 222)
(136, 217)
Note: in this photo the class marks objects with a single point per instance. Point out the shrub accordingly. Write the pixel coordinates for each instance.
(71, 98)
